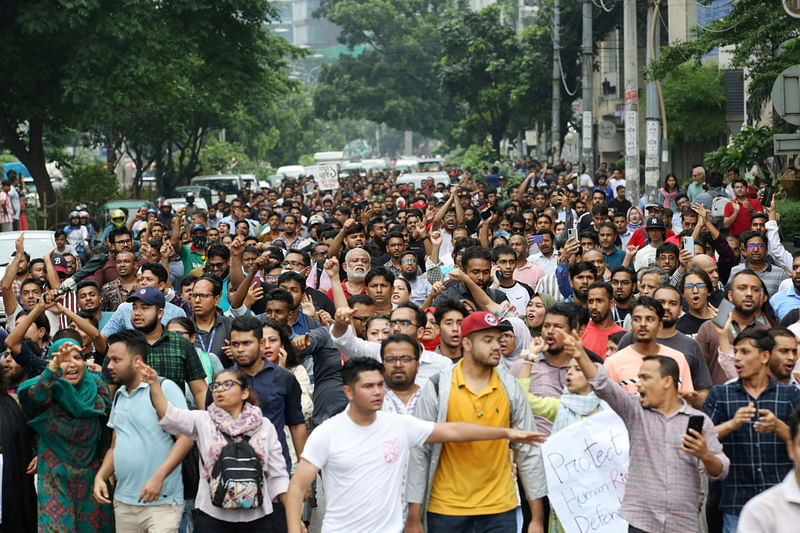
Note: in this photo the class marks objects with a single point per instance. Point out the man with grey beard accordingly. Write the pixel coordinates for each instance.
(356, 266)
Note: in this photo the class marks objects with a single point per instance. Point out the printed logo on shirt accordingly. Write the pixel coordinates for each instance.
(391, 450)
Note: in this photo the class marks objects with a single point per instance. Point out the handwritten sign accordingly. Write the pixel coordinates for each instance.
(587, 467)
(327, 177)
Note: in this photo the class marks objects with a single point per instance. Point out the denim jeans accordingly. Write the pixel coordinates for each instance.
(729, 523)
(490, 523)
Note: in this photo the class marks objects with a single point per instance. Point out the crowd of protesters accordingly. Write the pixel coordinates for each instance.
(382, 358)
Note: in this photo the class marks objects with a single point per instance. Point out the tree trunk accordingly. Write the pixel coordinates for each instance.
(33, 158)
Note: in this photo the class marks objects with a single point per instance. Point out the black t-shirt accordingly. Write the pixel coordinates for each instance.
(619, 206)
(689, 324)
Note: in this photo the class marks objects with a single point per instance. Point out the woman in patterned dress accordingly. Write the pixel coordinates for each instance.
(68, 407)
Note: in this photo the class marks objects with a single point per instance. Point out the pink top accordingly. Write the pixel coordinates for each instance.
(197, 425)
(530, 275)
(624, 365)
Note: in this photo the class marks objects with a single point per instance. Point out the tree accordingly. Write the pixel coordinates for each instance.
(761, 37)
(392, 80)
(147, 74)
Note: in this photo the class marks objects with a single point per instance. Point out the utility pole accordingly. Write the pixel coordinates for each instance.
(556, 127)
(587, 59)
(631, 66)
(652, 168)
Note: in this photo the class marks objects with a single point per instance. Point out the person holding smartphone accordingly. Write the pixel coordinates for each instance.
(662, 446)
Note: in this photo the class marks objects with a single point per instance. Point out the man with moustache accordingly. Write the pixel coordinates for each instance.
(88, 294)
(148, 489)
(119, 289)
(356, 266)
(745, 292)
(669, 336)
(601, 325)
(783, 356)
(623, 282)
(449, 315)
(410, 271)
(400, 356)
(171, 355)
(581, 277)
(277, 389)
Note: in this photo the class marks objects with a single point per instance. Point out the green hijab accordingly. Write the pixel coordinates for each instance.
(79, 401)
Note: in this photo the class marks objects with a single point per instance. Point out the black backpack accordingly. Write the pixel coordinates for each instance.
(237, 479)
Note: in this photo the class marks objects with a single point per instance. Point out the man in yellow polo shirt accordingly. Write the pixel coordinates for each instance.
(468, 486)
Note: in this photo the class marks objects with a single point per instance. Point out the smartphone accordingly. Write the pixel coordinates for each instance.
(725, 308)
(535, 239)
(688, 244)
(695, 423)
(499, 275)
(572, 233)
(768, 193)
(486, 213)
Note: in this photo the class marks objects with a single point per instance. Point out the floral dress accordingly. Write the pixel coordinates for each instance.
(69, 420)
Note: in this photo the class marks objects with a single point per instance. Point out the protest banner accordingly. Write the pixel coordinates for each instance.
(586, 465)
(327, 177)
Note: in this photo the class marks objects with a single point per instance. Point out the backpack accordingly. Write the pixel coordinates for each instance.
(237, 479)
(718, 207)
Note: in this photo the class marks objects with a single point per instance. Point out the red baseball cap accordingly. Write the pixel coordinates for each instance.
(481, 320)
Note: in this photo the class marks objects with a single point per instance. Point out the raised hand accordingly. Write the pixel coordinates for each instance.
(331, 267)
(437, 289)
(343, 316)
(767, 422)
(436, 238)
(149, 375)
(744, 414)
(301, 343)
(458, 275)
(20, 244)
(308, 305)
(237, 245)
(694, 443)
(538, 345)
(254, 294)
(324, 318)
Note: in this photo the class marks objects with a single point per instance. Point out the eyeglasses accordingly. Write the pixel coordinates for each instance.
(403, 323)
(200, 295)
(216, 266)
(617, 282)
(691, 286)
(293, 264)
(224, 385)
(409, 260)
(755, 246)
(272, 278)
(361, 319)
(403, 360)
(123, 241)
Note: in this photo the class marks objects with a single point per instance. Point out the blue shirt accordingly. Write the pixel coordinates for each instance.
(758, 460)
(494, 180)
(134, 419)
(121, 318)
(783, 302)
(279, 397)
(614, 259)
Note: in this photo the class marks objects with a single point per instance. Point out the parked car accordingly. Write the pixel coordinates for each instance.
(415, 180)
(230, 184)
(199, 191)
(181, 202)
(37, 243)
(291, 171)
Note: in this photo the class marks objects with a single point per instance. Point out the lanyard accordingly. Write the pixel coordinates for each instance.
(759, 320)
(207, 349)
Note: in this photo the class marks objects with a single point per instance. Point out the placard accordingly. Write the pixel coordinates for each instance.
(327, 177)
(587, 467)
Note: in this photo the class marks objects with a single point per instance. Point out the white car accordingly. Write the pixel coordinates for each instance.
(37, 243)
(415, 180)
(181, 202)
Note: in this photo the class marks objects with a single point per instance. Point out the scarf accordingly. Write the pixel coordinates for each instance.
(574, 407)
(548, 302)
(522, 339)
(249, 423)
(86, 402)
(631, 226)
(432, 344)
(668, 196)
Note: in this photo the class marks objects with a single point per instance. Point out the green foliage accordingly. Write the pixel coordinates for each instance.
(790, 218)
(87, 183)
(218, 155)
(751, 146)
(306, 159)
(762, 38)
(694, 99)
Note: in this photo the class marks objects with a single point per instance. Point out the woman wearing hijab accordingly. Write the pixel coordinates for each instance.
(234, 415)
(534, 313)
(16, 447)
(513, 342)
(577, 401)
(68, 407)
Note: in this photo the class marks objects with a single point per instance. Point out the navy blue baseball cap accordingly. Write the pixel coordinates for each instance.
(148, 295)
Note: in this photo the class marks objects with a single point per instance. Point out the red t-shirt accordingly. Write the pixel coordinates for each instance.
(346, 292)
(742, 221)
(596, 339)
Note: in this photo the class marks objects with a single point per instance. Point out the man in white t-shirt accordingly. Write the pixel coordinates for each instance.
(615, 181)
(362, 453)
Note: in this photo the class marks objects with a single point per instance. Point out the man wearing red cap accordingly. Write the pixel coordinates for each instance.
(466, 486)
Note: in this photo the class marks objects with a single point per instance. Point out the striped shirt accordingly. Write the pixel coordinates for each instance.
(758, 460)
(663, 480)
